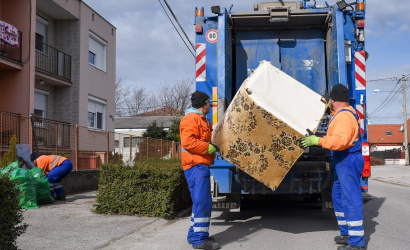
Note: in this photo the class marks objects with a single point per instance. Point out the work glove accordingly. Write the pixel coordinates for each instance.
(311, 140)
(211, 149)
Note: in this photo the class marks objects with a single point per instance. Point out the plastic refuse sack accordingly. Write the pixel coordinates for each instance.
(42, 186)
(25, 183)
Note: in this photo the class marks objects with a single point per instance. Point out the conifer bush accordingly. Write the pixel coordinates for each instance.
(153, 187)
(10, 214)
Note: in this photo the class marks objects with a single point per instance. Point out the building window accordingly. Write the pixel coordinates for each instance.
(40, 103)
(135, 142)
(97, 51)
(96, 112)
(126, 142)
(388, 132)
(116, 143)
(41, 33)
(91, 58)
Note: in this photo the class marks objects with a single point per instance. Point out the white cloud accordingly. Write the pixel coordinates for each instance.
(150, 52)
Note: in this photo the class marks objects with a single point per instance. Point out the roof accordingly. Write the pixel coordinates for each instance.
(143, 122)
(378, 134)
(167, 111)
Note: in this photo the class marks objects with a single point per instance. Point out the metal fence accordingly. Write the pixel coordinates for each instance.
(11, 52)
(388, 154)
(53, 61)
(87, 148)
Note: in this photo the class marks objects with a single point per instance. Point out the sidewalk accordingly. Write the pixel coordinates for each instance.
(393, 174)
(72, 225)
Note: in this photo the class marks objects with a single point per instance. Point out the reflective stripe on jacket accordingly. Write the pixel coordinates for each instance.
(195, 133)
(342, 132)
(49, 162)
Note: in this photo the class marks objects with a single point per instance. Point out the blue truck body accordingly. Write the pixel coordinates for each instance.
(318, 46)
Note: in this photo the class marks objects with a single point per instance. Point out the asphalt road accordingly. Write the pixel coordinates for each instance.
(271, 223)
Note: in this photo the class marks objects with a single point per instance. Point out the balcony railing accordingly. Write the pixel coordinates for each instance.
(53, 61)
(11, 52)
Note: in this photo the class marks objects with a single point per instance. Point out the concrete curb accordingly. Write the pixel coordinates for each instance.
(391, 182)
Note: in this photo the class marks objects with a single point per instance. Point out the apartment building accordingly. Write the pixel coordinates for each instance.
(63, 68)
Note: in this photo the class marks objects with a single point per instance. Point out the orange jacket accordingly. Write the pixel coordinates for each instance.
(195, 131)
(342, 131)
(48, 162)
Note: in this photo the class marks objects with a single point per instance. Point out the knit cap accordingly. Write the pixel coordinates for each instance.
(199, 99)
(339, 93)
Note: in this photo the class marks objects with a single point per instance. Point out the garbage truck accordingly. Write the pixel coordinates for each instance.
(319, 46)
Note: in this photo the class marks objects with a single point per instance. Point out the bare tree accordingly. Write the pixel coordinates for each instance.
(121, 91)
(136, 102)
(175, 99)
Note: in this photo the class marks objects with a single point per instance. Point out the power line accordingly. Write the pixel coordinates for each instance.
(388, 103)
(387, 99)
(183, 31)
(176, 28)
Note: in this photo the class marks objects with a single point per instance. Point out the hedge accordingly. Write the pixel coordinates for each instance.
(10, 214)
(153, 187)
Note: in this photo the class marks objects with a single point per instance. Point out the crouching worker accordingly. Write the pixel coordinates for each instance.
(55, 167)
(197, 155)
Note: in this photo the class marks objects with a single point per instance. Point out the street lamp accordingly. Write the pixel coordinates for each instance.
(406, 139)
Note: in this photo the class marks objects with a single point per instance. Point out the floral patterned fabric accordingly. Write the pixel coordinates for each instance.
(9, 34)
(256, 141)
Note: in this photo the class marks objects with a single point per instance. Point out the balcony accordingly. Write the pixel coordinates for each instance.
(52, 61)
(11, 52)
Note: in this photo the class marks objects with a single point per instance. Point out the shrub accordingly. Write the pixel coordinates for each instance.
(11, 155)
(376, 161)
(10, 214)
(152, 187)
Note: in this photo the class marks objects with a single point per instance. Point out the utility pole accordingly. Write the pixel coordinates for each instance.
(406, 138)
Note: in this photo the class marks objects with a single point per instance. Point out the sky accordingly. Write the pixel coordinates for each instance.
(150, 52)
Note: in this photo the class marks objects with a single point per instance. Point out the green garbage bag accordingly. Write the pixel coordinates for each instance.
(25, 183)
(42, 186)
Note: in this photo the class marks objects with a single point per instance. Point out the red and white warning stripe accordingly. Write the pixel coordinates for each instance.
(360, 68)
(200, 62)
(360, 112)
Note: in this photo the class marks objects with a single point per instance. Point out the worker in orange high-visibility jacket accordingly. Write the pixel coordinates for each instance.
(344, 141)
(197, 155)
(55, 167)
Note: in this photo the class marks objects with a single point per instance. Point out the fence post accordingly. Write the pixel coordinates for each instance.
(108, 145)
(130, 147)
(31, 135)
(147, 147)
(56, 124)
(161, 149)
(93, 141)
(76, 147)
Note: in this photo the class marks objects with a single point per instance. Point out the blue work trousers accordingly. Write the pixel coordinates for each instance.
(347, 195)
(56, 175)
(199, 184)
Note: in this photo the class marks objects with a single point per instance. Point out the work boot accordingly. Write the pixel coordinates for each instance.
(60, 197)
(349, 247)
(211, 238)
(341, 239)
(208, 245)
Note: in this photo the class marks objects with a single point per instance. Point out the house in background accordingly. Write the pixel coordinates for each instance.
(63, 70)
(166, 111)
(75, 50)
(386, 136)
(130, 129)
(17, 62)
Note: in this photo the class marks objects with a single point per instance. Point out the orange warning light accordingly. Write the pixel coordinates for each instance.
(199, 12)
(361, 6)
